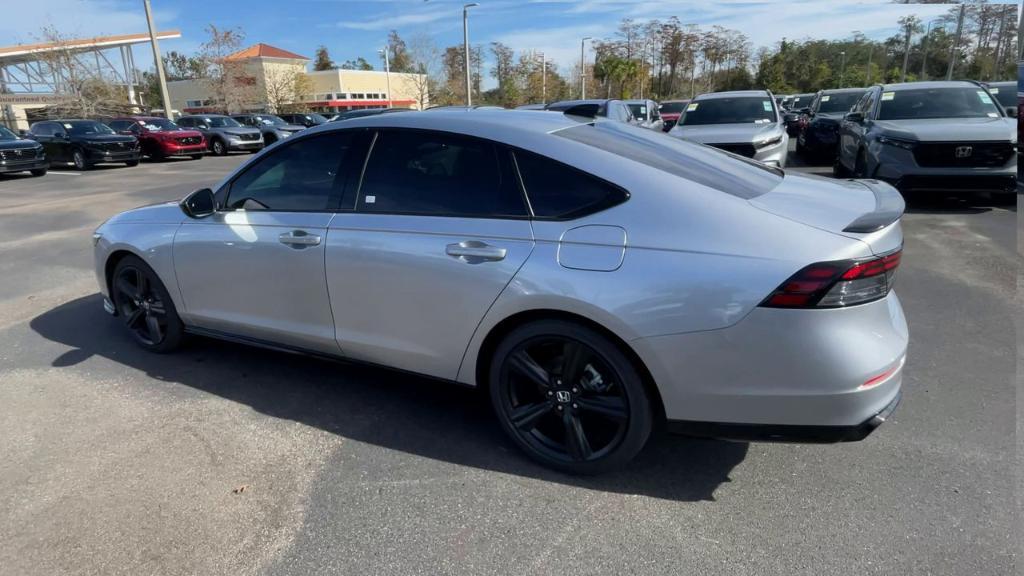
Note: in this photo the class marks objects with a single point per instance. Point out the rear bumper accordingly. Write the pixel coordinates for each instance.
(785, 433)
(21, 166)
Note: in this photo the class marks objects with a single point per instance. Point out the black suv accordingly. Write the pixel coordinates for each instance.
(19, 155)
(308, 120)
(84, 143)
(818, 132)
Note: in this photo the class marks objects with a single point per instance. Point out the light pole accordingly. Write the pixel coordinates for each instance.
(465, 46)
(583, 70)
(159, 63)
(924, 49)
(871, 51)
(543, 78)
(956, 43)
(842, 69)
(387, 71)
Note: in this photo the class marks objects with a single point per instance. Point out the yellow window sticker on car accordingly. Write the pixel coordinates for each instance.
(886, 96)
(985, 98)
(825, 98)
(691, 107)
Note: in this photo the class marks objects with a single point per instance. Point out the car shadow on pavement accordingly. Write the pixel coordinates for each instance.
(382, 407)
(957, 203)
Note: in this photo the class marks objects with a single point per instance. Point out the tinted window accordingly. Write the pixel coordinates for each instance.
(967, 102)
(1004, 94)
(87, 128)
(302, 176)
(221, 122)
(424, 172)
(6, 134)
(559, 191)
(42, 129)
(739, 110)
(726, 173)
(841, 102)
(673, 107)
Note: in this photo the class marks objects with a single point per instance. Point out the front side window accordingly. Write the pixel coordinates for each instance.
(438, 174)
(6, 134)
(738, 110)
(303, 176)
(966, 102)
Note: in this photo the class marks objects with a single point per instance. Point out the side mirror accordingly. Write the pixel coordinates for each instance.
(1011, 111)
(199, 204)
(204, 126)
(855, 117)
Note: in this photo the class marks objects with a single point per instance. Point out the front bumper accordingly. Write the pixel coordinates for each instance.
(783, 368)
(23, 165)
(245, 144)
(94, 155)
(899, 168)
(169, 149)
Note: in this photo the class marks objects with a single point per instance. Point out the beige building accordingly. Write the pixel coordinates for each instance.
(266, 81)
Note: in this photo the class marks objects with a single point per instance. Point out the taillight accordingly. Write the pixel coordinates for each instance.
(837, 284)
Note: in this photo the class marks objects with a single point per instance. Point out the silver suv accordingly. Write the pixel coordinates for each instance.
(745, 122)
(930, 137)
(223, 134)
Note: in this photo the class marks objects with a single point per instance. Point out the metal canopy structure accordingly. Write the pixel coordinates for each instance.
(28, 72)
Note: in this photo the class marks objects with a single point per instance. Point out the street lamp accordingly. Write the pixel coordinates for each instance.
(159, 62)
(543, 78)
(387, 71)
(583, 70)
(842, 69)
(465, 46)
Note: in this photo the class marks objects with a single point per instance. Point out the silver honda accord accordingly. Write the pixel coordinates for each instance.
(598, 280)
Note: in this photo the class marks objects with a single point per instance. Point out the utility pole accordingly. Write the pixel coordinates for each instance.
(465, 46)
(842, 69)
(906, 52)
(583, 70)
(387, 72)
(956, 42)
(159, 63)
(543, 78)
(871, 50)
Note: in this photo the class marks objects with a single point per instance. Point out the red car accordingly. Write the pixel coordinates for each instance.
(670, 111)
(160, 138)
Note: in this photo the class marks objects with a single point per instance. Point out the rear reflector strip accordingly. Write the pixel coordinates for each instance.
(876, 380)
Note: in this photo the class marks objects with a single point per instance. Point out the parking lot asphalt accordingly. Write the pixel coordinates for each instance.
(223, 459)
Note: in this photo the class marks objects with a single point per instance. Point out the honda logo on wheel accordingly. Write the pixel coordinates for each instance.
(563, 396)
(964, 151)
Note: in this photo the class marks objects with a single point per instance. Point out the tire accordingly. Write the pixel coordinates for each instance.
(131, 163)
(39, 172)
(197, 156)
(585, 416)
(838, 170)
(80, 161)
(145, 307)
(860, 168)
(218, 147)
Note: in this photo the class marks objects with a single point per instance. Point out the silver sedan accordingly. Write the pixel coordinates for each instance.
(599, 280)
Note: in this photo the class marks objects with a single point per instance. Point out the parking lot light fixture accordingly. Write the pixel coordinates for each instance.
(387, 71)
(465, 45)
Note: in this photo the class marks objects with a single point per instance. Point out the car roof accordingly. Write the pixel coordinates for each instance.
(732, 94)
(637, 101)
(204, 116)
(927, 85)
(842, 90)
(676, 101)
(571, 103)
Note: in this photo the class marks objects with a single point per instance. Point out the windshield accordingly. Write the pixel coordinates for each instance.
(317, 118)
(639, 111)
(966, 102)
(841, 102)
(672, 107)
(1004, 94)
(221, 122)
(6, 134)
(159, 125)
(801, 100)
(272, 120)
(739, 110)
(86, 127)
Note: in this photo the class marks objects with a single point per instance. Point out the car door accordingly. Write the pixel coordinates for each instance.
(255, 268)
(439, 228)
(45, 134)
(851, 134)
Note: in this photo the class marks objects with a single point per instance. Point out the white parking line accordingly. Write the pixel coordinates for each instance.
(66, 173)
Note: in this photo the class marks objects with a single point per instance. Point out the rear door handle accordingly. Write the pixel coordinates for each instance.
(474, 251)
(299, 238)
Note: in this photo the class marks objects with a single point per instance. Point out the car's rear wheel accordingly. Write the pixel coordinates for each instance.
(219, 148)
(39, 172)
(145, 307)
(569, 397)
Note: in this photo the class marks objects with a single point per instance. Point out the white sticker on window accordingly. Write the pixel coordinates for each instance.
(68, 126)
(691, 107)
(994, 90)
(767, 104)
(370, 200)
(826, 98)
(886, 96)
(993, 115)
(985, 98)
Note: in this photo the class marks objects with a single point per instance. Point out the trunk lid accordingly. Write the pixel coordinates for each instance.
(866, 210)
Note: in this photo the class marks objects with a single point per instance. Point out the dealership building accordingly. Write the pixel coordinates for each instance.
(266, 68)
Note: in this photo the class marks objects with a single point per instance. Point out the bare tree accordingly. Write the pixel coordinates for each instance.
(286, 89)
(81, 88)
(425, 61)
(232, 85)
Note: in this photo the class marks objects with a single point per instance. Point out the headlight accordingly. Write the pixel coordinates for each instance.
(768, 141)
(897, 142)
(283, 134)
(96, 236)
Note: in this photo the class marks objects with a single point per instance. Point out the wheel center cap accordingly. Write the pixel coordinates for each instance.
(563, 396)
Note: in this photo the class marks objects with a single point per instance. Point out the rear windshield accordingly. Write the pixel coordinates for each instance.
(841, 102)
(738, 110)
(724, 172)
(639, 110)
(966, 102)
(672, 107)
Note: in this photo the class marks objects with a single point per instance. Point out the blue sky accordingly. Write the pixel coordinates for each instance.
(351, 28)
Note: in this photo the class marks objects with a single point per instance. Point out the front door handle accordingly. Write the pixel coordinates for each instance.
(299, 238)
(474, 251)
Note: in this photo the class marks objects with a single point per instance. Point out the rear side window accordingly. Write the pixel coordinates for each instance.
(307, 175)
(561, 192)
(727, 173)
(42, 129)
(438, 174)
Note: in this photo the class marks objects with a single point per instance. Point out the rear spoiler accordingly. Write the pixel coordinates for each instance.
(889, 207)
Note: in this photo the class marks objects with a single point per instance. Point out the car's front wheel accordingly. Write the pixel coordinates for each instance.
(79, 160)
(219, 148)
(39, 172)
(145, 307)
(569, 397)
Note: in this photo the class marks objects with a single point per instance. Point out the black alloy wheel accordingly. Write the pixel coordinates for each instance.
(144, 306)
(569, 397)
